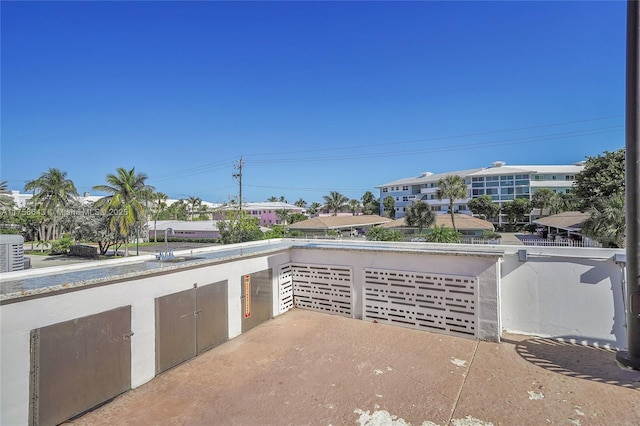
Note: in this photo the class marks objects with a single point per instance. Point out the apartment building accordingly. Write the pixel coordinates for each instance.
(501, 182)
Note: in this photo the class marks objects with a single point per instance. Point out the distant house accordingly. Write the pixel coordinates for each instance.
(184, 229)
(345, 225)
(465, 224)
(265, 212)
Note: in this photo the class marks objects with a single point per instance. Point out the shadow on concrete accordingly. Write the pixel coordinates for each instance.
(563, 356)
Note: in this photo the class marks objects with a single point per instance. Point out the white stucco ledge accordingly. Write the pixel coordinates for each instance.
(20, 285)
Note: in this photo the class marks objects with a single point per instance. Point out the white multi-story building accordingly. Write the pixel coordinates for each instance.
(501, 182)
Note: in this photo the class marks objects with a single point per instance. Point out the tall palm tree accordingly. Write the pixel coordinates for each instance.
(193, 202)
(354, 206)
(335, 201)
(300, 203)
(52, 191)
(454, 188)
(127, 200)
(272, 199)
(419, 214)
(160, 205)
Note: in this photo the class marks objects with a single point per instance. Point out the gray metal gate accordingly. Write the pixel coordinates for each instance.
(256, 298)
(212, 324)
(78, 364)
(190, 322)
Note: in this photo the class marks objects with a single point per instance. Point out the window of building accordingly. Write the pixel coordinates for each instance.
(492, 191)
(493, 183)
(405, 188)
(476, 192)
(522, 190)
(491, 178)
(553, 177)
(477, 179)
(506, 190)
(405, 198)
(477, 185)
(569, 177)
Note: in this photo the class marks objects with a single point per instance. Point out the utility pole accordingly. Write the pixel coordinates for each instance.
(238, 175)
(631, 357)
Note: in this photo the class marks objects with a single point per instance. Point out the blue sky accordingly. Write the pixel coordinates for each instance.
(315, 96)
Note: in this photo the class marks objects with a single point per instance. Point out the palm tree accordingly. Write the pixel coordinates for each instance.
(454, 188)
(544, 198)
(52, 191)
(126, 203)
(6, 202)
(193, 202)
(301, 203)
(369, 203)
(335, 201)
(283, 216)
(313, 208)
(419, 214)
(606, 222)
(272, 199)
(160, 205)
(354, 206)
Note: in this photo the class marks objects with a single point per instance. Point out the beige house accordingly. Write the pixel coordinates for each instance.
(345, 225)
(465, 224)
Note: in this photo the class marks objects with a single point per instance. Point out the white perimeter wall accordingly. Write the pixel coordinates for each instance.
(573, 293)
(565, 292)
(18, 319)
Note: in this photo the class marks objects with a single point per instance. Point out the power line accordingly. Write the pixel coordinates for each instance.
(437, 138)
(474, 145)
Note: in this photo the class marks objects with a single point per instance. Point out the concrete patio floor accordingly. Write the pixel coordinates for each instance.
(308, 368)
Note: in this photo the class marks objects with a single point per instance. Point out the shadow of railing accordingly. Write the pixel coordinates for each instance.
(564, 356)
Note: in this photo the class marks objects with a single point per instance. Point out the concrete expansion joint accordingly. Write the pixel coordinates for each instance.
(464, 380)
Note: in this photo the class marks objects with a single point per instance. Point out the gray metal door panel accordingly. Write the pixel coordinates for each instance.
(78, 364)
(212, 319)
(256, 298)
(175, 329)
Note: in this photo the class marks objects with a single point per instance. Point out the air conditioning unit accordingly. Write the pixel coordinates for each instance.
(11, 253)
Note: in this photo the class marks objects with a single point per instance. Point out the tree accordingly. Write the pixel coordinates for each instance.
(370, 204)
(313, 209)
(606, 222)
(193, 202)
(378, 233)
(443, 234)
(602, 177)
(566, 203)
(354, 206)
(335, 202)
(160, 205)
(419, 214)
(6, 202)
(52, 191)
(389, 205)
(272, 199)
(283, 216)
(484, 206)
(516, 210)
(544, 199)
(296, 217)
(239, 227)
(126, 204)
(176, 211)
(300, 203)
(454, 188)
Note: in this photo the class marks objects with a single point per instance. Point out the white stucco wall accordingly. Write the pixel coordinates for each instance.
(572, 293)
(18, 319)
(483, 266)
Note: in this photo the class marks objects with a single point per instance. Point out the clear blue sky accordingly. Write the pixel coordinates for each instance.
(316, 96)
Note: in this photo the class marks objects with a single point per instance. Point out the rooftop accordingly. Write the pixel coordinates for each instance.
(306, 367)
